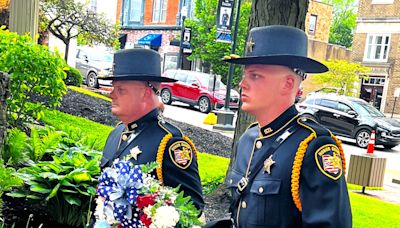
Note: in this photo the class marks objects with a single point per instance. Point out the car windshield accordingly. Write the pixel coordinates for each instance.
(206, 80)
(102, 57)
(365, 109)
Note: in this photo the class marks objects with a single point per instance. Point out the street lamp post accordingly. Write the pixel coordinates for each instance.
(225, 116)
(180, 56)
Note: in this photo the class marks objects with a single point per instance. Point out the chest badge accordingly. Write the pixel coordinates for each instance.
(267, 164)
(134, 153)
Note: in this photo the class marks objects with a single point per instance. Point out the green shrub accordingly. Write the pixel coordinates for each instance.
(16, 148)
(7, 180)
(36, 75)
(74, 77)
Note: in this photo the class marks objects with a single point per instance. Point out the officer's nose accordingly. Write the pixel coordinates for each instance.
(243, 83)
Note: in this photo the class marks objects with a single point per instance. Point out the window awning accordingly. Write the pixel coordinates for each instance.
(151, 40)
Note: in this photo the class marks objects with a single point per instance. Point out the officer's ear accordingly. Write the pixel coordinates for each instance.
(290, 82)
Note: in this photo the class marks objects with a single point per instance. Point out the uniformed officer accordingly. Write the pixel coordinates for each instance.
(289, 171)
(143, 136)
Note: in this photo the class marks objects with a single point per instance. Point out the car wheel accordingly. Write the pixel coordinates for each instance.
(204, 105)
(92, 80)
(362, 138)
(166, 96)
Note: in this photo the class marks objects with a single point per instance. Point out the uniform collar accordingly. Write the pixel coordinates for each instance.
(138, 124)
(282, 120)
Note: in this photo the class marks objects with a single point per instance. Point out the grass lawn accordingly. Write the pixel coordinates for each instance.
(367, 211)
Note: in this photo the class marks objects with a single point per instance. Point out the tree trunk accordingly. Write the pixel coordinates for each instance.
(4, 92)
(66, 51)
(263, 13)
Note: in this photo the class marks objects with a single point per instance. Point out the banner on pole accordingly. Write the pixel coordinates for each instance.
(224, 21)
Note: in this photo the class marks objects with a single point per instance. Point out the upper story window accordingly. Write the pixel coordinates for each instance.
(382, 1)
(312, 26)
(132, 12)
(377, 47)
(159, 10)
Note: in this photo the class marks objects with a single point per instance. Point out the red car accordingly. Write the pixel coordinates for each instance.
(196, 88)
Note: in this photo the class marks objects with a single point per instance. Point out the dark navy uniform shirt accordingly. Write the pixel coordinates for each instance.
(141, 141)
(269, 201)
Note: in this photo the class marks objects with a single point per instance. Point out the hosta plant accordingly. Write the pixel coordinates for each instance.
(64, 185)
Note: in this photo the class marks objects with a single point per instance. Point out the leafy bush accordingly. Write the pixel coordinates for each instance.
(15, 150)
(74, 77)
(36, 75)
(64, 185)
(7, 180)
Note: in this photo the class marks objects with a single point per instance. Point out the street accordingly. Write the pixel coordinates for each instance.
(183, 113)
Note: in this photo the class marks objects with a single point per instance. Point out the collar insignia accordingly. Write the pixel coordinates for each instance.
(267, 164)
(268, 130)
(132, 126)
(249, 45)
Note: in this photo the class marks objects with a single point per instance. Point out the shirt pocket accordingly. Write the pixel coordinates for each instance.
(265, 199)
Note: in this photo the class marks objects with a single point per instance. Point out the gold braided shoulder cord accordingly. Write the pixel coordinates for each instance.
(339, 144)
(298, 161)
(191, 145)
(160, 156)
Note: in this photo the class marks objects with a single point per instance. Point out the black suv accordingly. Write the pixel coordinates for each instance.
(352, 117)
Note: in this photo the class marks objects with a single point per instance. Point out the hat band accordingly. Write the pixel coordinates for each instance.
(300, 72)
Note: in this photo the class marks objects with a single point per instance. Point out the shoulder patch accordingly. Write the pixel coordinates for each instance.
(329, 162)
(181, 154)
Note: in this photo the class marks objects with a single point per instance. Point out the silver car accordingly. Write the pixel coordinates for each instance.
(93, 63)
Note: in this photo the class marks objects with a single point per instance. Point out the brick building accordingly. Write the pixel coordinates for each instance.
(162, 18)
(376, 45)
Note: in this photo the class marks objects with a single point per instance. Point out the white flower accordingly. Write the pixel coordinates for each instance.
(99, 212)
(165, 217)
(147, 210)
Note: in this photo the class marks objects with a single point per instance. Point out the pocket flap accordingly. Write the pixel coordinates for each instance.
(233, 179)
(266, 186)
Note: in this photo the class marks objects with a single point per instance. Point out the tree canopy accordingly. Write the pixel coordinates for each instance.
(342, 75)
(69, 19)
(203, 42)
(344, 22)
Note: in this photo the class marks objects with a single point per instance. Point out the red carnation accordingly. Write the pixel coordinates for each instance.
(144, 201)
(145, 219)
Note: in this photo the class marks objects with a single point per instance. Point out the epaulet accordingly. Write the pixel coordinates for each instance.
(313, 126)
(174, 142)
(252, 125)
(170, 129)
(316, 130)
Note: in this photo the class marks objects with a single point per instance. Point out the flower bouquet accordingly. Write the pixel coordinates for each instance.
(130, 197)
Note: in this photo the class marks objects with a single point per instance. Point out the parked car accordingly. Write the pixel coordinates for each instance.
(94, 63)
(196, 88)
(352, 117)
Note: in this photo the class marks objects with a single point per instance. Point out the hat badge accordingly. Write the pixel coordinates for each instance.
(249, 45)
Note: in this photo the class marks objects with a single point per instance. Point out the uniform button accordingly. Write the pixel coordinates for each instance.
(230, 181)
(261, 190)
(258, 144)
(124, 137)
(244, 204)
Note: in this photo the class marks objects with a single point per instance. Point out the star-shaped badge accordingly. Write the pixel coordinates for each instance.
(134, 153)
(249, 45)
(267, 164)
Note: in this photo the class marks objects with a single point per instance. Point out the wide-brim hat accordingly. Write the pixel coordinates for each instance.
(278, 45)
(137, 64)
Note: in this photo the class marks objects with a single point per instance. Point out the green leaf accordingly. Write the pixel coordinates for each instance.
(40, 188)
(53, 192)
(73, 200)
